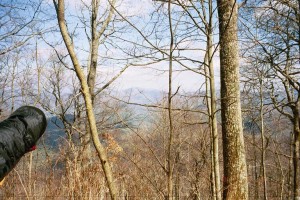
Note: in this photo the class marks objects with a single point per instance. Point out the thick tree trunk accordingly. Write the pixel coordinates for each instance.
(235, 169)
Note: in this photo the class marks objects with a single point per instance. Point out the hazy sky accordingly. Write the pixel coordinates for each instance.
(141, 77)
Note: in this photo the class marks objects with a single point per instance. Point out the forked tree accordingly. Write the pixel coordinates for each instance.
(87, 94)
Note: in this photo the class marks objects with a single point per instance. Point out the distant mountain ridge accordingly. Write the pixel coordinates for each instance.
(55, 131)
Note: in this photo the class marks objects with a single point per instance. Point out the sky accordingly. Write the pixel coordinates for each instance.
(151, 79)
(138, 76)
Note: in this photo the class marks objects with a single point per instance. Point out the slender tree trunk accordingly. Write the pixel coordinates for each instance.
(290, 173)
(212, 110)
(36, 101)
(256, 192)
(38, 69)
(235, 169)
(91, 78)
(296, 154)
(208, 102)
(96, 33)
(13, 76)
(212, 105)
(171, 128)
(262, 135)
(280, 168)
(87, 98)
(214, 129)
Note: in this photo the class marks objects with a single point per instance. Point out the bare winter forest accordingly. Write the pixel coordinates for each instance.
(155, 99)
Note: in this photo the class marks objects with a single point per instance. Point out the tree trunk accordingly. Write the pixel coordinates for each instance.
(170, 165)
(214, 129)
(296, 153)
(91, 78)
(290, 173)
(256, 187)
(235, 169)
(262, 135)
(208, 102)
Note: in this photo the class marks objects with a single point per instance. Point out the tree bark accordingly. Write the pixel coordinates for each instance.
(235, 169)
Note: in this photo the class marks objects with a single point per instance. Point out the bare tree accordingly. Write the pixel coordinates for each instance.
(17, 23)
(170, 96)
(60, 10)
(278, 44)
